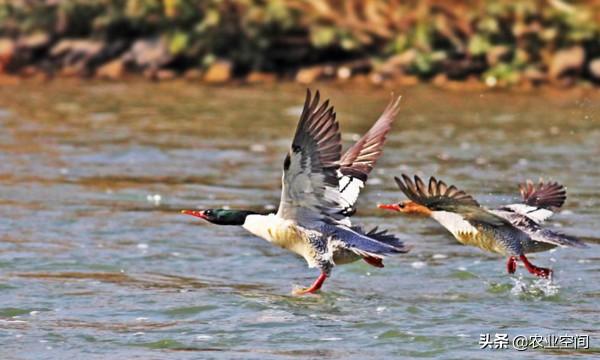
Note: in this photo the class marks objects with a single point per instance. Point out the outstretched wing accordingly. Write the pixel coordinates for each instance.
(540, 201)
(543, 195)
(437, 196)
(310, 187)
(359, 160)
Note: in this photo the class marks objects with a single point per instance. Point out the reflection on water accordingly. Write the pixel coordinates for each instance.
(96, 258)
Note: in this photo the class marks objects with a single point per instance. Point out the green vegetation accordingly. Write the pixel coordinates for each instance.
(501, 42)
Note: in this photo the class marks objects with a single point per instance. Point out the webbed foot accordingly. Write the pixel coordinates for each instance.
(313, 288)
(535, 270)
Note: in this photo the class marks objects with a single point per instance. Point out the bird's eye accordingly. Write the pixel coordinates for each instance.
(208, 212)
(401, 206)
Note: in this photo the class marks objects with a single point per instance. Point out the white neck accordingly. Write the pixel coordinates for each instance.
(261, 225)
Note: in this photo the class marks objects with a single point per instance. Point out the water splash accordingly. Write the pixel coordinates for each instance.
(535, 289)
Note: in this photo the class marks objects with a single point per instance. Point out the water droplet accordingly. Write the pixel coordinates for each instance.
(294, 111)
(443, 156)
(375, 181)
(259, 148)
(481, 161)
(155, 199)
(332, 339)
(523, 162)
(203, 337)
(418, 264)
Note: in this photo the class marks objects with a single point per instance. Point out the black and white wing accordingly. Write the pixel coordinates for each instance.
(540, 201)
(310, 187)
(359, 160)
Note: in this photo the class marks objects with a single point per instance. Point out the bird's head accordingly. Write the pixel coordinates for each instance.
(221, 216)
(407, 207)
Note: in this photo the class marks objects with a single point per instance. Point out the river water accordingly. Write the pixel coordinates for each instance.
(97, 262)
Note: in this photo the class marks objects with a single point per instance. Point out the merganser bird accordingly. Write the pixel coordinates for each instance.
(319, 190)
(513, 230)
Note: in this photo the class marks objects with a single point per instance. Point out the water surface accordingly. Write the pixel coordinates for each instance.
(96, 261)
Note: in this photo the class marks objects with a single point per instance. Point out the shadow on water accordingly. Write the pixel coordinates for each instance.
(144, 281)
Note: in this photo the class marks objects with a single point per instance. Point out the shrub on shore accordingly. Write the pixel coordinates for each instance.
(500, 42)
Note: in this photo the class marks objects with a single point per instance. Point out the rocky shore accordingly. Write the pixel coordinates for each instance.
(492, 44)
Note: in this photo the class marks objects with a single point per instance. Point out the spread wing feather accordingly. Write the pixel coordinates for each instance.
(437, 196)
(358, 161)
(550, 195)
(310, 186)
(540, 201)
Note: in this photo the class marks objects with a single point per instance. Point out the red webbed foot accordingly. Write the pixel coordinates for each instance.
(314, 287)
(537, 271)
(511, 265)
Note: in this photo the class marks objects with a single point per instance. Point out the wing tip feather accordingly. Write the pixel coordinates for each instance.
(434, 193)
(548, 195)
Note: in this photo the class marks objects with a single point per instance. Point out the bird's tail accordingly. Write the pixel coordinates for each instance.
(385, 237)
(374, 243)
(553, 237)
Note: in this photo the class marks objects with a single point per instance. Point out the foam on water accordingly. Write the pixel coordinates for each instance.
(536, 287)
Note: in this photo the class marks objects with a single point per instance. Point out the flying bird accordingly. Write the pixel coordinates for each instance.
(512, 230)
(319, 192)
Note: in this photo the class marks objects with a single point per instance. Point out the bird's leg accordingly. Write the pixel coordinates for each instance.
(511, 265)
(537, 271)
(314, 287)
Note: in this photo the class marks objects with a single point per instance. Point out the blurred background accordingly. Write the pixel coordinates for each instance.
(117, 114)
(497, 43)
